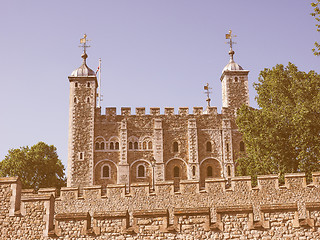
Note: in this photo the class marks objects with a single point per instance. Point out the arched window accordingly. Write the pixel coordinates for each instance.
(193, 170)
(117, 145)
(175, 147)
(88, 100)
(97, 146)
(229, 171)
(76, 84)
(236, 79)
(135, 145)
(141, 171)
(209, 171)
(105, 171)
(176, 171)
(150, 145)
(209, 147)
(241, 146)
(144, 145)
(88, 84)
(102, 145)
(111, 145)
(130, 145)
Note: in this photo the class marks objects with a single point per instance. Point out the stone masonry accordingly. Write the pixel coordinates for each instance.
(218, 211)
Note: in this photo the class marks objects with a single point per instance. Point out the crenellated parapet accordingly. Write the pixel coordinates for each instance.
(222, 207)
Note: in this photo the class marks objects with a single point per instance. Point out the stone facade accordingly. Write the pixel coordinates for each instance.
(119, 149)
(220, 210)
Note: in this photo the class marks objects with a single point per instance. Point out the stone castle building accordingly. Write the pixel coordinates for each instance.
(131, 148)
(112, 193)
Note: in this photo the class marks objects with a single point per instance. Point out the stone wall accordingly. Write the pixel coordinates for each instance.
(219, 211)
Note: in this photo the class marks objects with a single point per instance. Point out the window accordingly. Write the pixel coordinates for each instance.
(229, 171)
(88, 100)
(130, 145)
(236, 79)
(141, 171)
(105, 171)
(75, 100)
(102, 146)
(209, 147)
(193, 170)
(209, 171)
(144, 145)
(176, 171)
(111, 145)
(175, 147)
(135, 145)
(88, 84)
(150, 145)
(76, 84)
(81, 156)
(227, 147)
(97, 146)
(241, 146)
(117, 145)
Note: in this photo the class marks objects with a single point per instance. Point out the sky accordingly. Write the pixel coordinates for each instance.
(155, 53)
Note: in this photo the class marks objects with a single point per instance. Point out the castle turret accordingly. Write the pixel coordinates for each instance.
(83, 87)
(234, 84)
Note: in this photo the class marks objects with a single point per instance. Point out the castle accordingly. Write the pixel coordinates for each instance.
(125, 149)
(159, 177)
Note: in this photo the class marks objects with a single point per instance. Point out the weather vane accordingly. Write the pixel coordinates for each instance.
(230, 36)
(84, 41)
(207, 91)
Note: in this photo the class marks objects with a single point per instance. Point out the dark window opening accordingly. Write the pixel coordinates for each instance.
(130, 145)
(141, 171)
(227, 147)
(150, 145)
(81, 156)
(111, 145)
(176, 171)
(105, 171)
(76, 84)
(144, 145)
(75, 100)
(193, 170)
(88, 84)
(236, 79)
(135, 145)
(242, 146)
(209, 171)
(175, 147)
(229, 171)
(102, 145)
(209, 147)
(97, 146)
(88, 100)
(117, 145)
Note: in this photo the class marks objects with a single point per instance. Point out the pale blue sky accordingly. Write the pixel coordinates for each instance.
(154, 54)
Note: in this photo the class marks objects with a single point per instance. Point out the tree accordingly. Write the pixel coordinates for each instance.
(38, 166)
(316, 15)
(283, 136)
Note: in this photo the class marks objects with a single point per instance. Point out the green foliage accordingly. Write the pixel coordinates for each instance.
(283, 136)
(316, 15)
(38, 166)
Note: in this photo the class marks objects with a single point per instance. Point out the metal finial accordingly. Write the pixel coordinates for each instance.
(84, 45)
(207, 91)
(230, 42)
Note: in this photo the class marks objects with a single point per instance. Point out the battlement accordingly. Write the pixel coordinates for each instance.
(169, 208)
(155, 111)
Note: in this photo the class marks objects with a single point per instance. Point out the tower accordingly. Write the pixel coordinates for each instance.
(82, 103)
(234, 82)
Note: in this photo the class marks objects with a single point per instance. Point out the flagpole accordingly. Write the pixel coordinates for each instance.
(99, 94)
